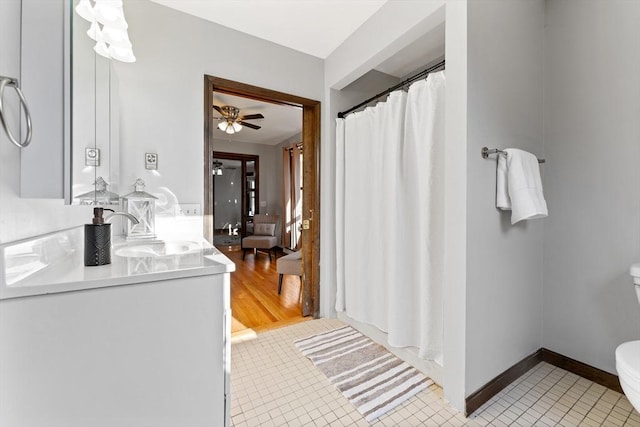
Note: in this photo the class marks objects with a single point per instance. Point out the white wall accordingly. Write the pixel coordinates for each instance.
(21, 218)
(592, 178)
(394, 26)
(504, 262)
(162, 93)
(455, 276)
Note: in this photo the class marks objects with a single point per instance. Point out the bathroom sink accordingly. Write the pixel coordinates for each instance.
(157, 249)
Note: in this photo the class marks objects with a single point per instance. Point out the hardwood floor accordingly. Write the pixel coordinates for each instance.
(255, 303)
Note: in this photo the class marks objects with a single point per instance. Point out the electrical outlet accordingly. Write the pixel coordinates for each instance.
(188, 209)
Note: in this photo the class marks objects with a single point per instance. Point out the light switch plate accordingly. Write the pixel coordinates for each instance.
(188, 209)
(151, 161)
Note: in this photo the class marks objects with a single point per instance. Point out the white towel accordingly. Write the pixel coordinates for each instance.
(502, 192)
(519, 187)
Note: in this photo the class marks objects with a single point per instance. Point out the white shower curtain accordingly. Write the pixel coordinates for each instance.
(389, 223)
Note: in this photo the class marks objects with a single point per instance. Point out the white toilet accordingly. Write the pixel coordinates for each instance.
(628, 357)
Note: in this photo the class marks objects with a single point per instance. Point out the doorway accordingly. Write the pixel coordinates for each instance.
(310, 237)
(235, 195)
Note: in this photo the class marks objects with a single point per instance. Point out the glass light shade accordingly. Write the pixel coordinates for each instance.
(219, 172)
(85, 10)
(122, 54)
(110, 13)
(223, 126)
(102, 49)
(116, 37)
(95, 33)
(237, 126)
(230, 130)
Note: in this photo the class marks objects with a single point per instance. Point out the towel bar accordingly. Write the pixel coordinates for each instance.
(485, 152)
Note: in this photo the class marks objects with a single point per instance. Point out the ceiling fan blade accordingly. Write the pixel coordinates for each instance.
(252, 117)
(249, 125)
(218, 109)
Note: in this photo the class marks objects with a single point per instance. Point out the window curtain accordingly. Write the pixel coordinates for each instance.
(390, 218)
(292, 195)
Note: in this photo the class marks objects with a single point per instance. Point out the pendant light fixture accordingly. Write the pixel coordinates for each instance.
(108, 28)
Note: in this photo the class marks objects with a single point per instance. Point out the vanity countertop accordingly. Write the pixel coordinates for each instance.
(54, 263)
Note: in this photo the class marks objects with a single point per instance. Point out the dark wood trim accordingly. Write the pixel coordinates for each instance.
(311, 174)
(493, 387)
(231, 87)
(589, 372)
(207, 208)
(311, 210)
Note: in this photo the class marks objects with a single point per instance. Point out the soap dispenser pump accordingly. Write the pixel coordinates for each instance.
(97, 240)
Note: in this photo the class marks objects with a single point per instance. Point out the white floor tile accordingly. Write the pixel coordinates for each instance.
(273, 384)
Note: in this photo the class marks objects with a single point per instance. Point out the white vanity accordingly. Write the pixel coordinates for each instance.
(144, 341)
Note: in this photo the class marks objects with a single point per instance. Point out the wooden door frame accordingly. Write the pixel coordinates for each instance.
(311, 174)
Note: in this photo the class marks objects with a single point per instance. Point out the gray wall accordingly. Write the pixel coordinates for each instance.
(270, 165)
(228, 199)
(592, 178)
(504, 262)
(162, 93)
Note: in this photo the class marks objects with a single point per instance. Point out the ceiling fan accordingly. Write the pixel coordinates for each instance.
(231, 120)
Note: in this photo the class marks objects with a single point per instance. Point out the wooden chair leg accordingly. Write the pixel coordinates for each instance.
(280, 284)
(301, 286)
(244, 251)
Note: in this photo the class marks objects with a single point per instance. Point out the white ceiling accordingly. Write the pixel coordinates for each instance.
(280, 121)
(315, 27)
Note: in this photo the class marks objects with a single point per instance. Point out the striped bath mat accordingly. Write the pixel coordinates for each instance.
(374, 380)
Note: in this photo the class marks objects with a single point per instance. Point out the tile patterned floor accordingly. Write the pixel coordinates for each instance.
(272, 384)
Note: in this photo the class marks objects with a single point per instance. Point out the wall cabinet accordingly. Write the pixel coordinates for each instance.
(45, 80)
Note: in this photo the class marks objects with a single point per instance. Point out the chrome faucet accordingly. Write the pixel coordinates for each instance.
(125, 214)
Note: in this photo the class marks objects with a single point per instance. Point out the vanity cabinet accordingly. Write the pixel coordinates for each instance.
(145, 354)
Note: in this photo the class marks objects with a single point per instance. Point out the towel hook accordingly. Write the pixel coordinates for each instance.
(13, 82)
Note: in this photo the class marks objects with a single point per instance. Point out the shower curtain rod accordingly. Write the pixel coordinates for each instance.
(411, 79)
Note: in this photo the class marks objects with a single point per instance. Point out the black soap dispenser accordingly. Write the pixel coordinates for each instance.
(97, 240)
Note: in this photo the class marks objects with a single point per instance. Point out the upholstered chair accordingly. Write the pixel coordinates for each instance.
(264, 235)
(289, 264)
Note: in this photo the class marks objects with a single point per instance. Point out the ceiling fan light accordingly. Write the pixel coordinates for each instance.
(223, 126)
(219, 172)
(236, 126)
(85, 10)
(230, 130)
